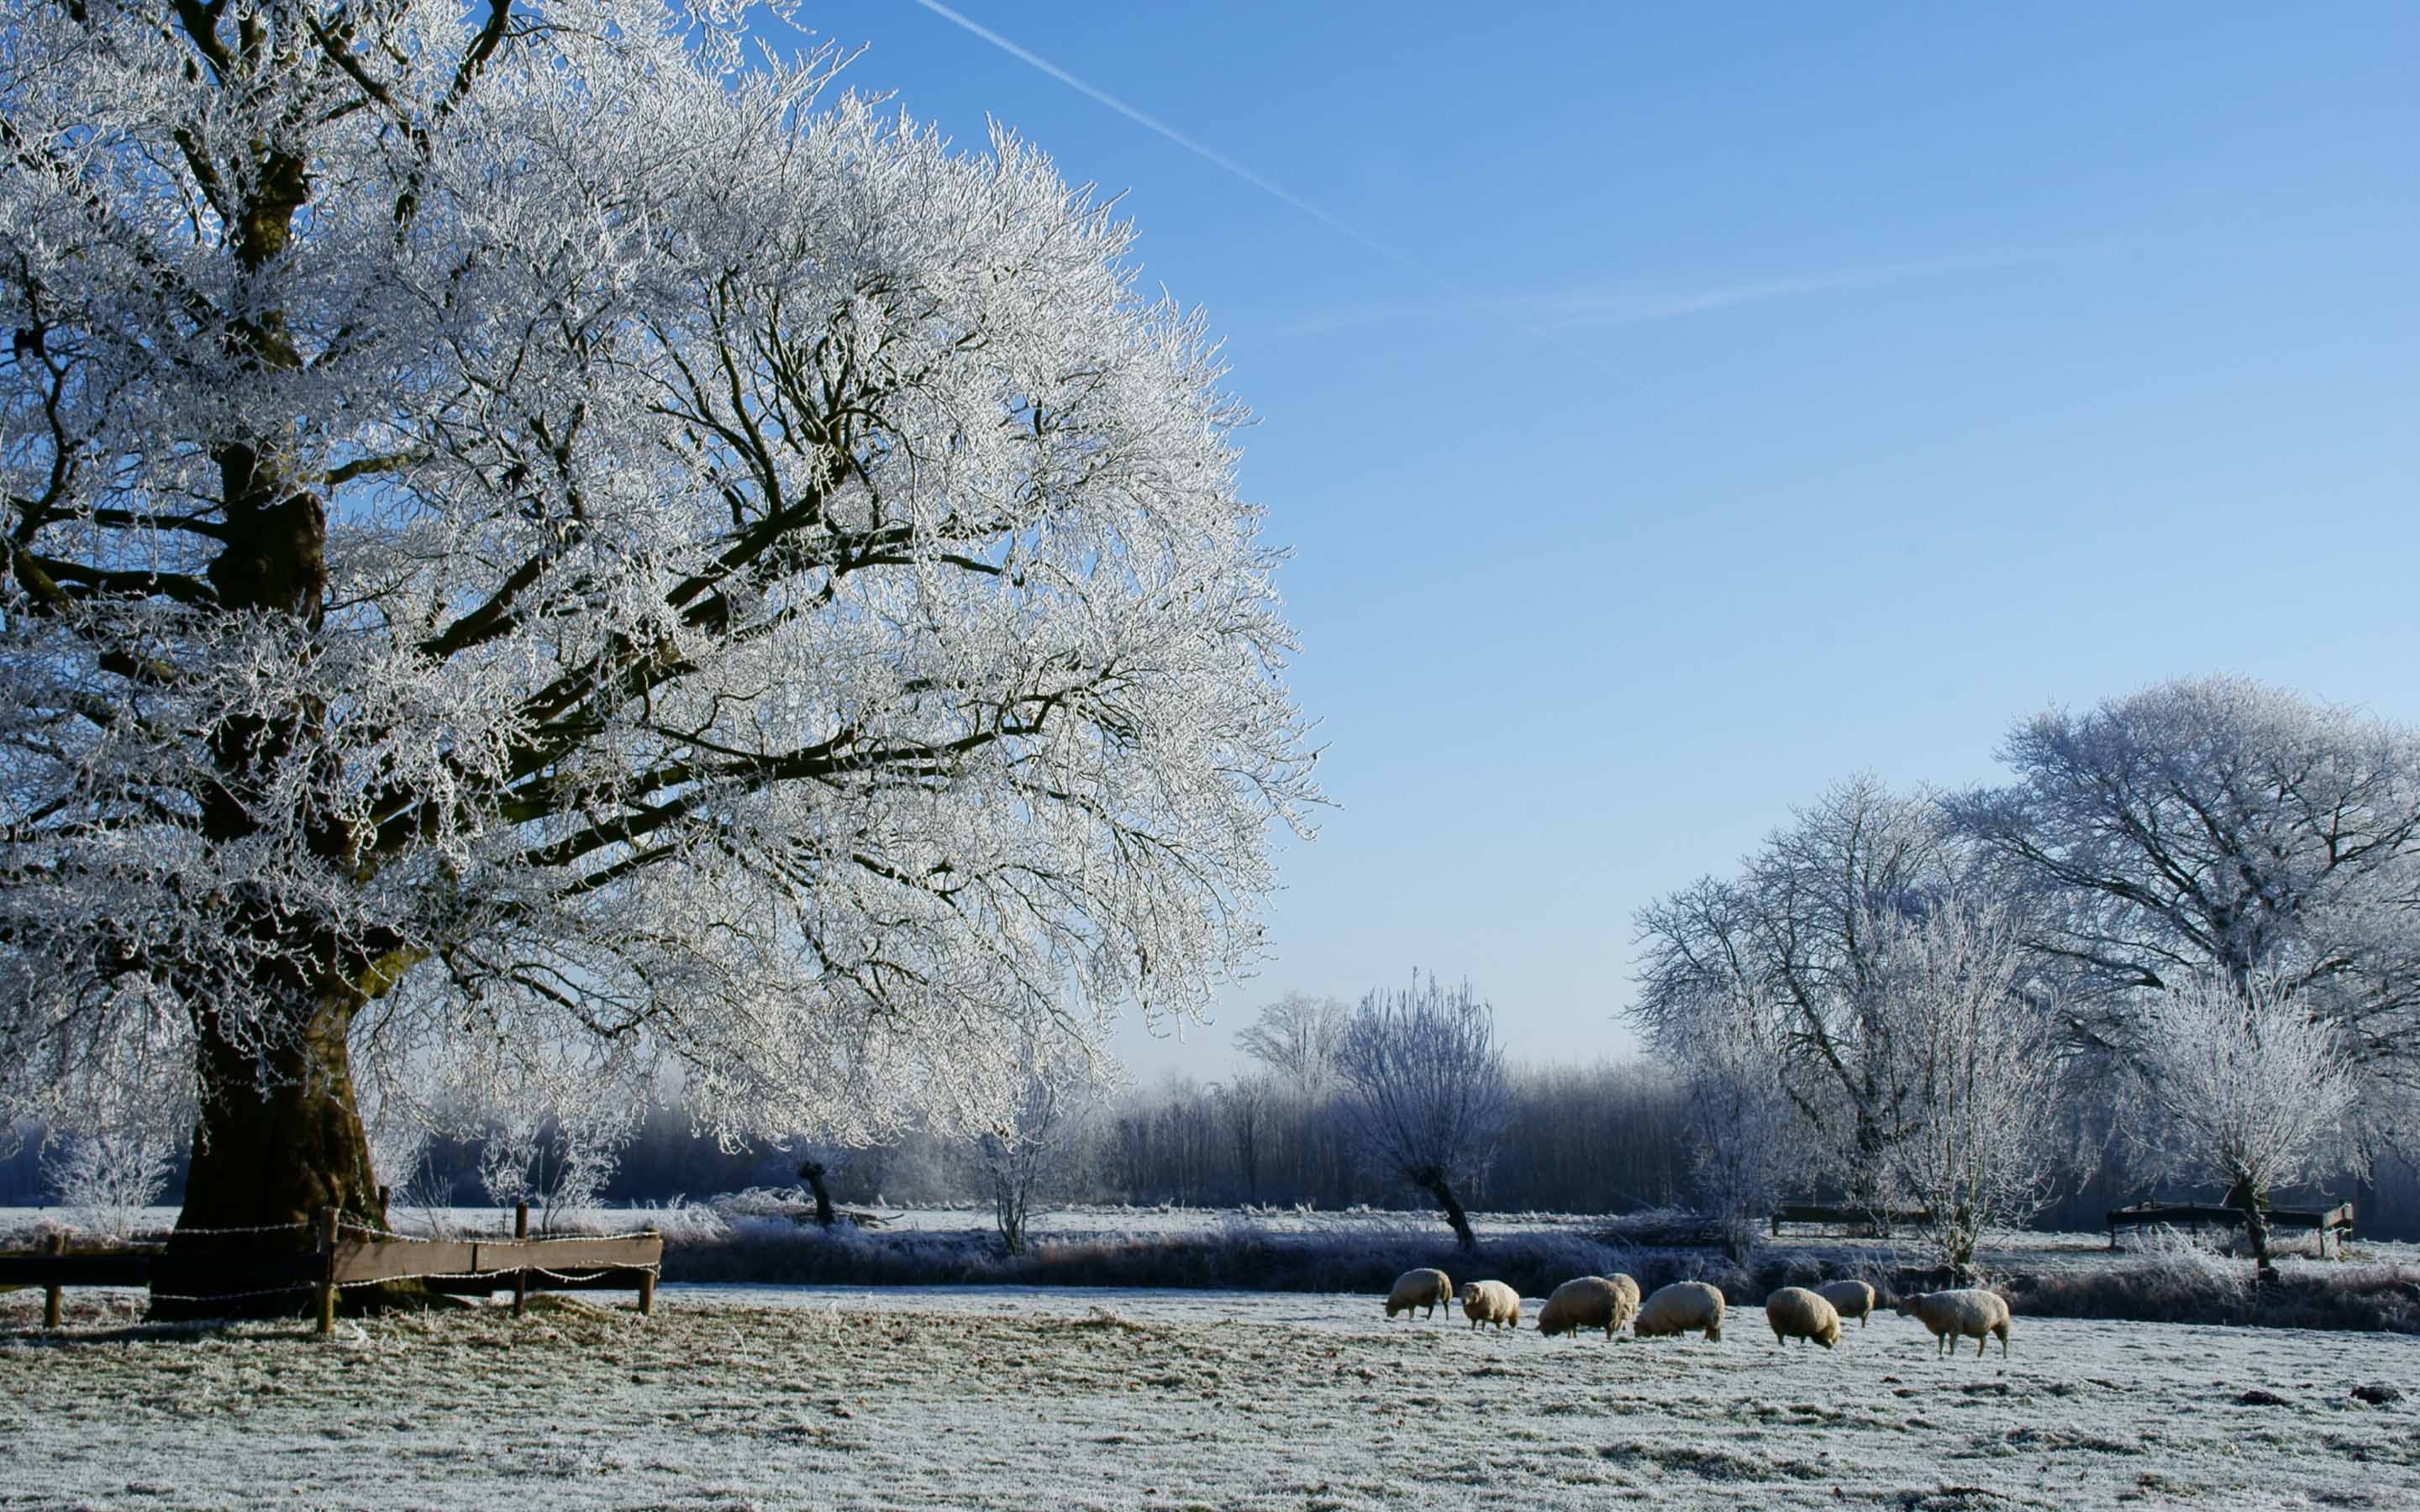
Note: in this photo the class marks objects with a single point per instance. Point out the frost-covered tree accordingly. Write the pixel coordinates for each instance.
(2244, 1086)
(117, 1128)
(1428, 1087)
(1297, 1038)
(1249, 1104)
(1975, 1062)
(1026, 1148)
(2215, 824)
(107, 1175)
(1797, 937)
(534, 552)
(558, 1165)
(1749, 1137)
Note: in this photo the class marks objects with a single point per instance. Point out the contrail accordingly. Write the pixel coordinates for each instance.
(1207, 154)
(1267, 186)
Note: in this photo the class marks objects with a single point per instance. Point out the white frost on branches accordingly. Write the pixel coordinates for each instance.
(1976, 1070)
(1428, 1087)
(1061, 1086)
(2218, 825)
(1749, 1145)
(787, 612)
(2247, 1089)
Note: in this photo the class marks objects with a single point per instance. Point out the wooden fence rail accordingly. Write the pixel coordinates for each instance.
(2335, 1225)
(1801, 1212)
(346, 1255)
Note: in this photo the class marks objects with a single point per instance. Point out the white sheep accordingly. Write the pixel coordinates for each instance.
(1967, 1313)
(1796, 1313)
(1680, 1307)
(1589, 1301)
(1850, 1299)
(1491, 1302)
(1420, 1288)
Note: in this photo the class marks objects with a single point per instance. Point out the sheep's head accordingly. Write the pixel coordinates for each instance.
(1904, 1306)
(1829, 1335)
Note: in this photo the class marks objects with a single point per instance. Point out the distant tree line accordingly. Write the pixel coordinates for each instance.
(2177, 955)
(2183, 944)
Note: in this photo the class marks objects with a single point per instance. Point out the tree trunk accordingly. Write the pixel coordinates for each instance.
(1434, 1181)
(812, 1172)
(2256, 1222)
(278, 1140)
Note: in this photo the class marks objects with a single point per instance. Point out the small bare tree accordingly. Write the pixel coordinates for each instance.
(2246, 1087)
(1743, 1120)
(116, 1132)
(558, 1165)
(105, 1177)
(1027, 1145)
(1975, 1061)
(1297, 1037)
(1430, 1092)
(1248, 1104)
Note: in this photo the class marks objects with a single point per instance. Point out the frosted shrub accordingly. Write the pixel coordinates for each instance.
(558, 1168)
(2246, 1087)
(107, 1178)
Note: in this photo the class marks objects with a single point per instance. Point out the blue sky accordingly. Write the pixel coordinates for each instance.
(1675, 409)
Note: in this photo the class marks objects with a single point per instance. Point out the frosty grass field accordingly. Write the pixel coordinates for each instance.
(732, 1397)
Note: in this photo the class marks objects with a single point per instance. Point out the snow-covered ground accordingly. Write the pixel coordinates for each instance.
(735, 1398)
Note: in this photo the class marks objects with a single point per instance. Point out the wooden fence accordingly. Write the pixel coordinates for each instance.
(345, 1254)
(2335, 1225)
(1865, 1218)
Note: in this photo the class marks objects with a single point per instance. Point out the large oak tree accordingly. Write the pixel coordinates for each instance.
(537, 554)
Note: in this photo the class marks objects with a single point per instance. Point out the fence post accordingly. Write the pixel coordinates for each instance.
(647, 1280)
(56, 1244)
(520, 1277)
(327, 1226)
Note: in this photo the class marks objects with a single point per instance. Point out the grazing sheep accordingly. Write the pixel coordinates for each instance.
(1680, 1307)
(1491, 1302)
(1589, 1302)
(1968, 1314)
(1629, 1293)
(1850, 1299)
(1420, 1288)
(1796, 1313)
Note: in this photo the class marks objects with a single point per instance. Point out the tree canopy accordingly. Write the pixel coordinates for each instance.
(538, 553)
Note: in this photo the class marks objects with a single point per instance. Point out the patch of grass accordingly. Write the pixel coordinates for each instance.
(2174, 1279)
(1235, 1257)
(2168, 1279)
